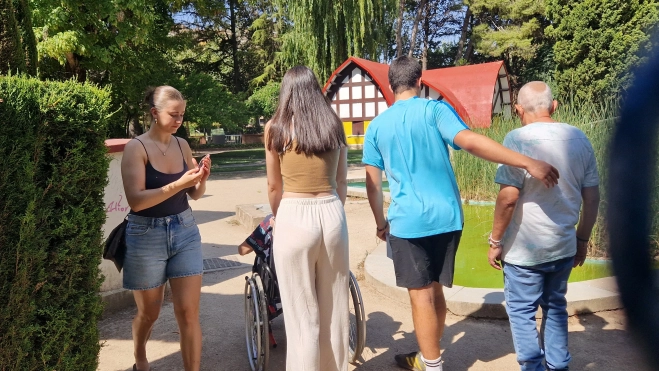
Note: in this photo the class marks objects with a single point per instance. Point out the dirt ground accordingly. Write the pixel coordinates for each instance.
(597, 341)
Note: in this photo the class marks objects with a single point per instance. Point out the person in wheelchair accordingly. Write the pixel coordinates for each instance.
(260, 240)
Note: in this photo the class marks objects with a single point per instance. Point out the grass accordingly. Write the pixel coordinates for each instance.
(354, 156)
(252, 159)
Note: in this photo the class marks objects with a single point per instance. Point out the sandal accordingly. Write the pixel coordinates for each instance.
(135, 368)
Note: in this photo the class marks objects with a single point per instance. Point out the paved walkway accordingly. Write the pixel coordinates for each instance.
(598, 342)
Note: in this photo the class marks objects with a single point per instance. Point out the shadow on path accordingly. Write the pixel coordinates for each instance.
(486, 344)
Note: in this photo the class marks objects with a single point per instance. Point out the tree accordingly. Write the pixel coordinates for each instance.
(515, 31)
(327, 32)
(91, 35)
(266, 44)
(399, 28)
(28, 41)
(11, 49)
(463, 34)
(599, 42)
(210, 103)
(415, 27)
(263, 102)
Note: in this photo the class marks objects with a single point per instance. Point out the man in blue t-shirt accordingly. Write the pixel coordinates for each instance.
(409, 141)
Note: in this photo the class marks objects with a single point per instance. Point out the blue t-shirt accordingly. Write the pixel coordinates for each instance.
(409, 141)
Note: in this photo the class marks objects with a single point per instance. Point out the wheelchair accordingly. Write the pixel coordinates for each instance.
(263, 304)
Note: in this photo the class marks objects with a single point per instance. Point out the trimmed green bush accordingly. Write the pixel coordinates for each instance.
(53, 171)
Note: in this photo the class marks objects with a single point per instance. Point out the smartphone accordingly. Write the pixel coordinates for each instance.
(200, 164)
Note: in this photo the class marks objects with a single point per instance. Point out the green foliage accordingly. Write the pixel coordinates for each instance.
(210, 103)
(599, 42)
(29, 42)
(53, 171)
(327, 32)
(264, 100)
(512, 29)
(266, 38)
(11, 49)
(91, 35)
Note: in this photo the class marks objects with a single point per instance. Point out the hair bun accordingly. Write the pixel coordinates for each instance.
(150, 93)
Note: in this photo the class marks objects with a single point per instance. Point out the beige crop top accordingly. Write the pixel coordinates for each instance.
(309, 174)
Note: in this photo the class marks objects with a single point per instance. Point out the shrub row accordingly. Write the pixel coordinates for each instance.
(53, 171)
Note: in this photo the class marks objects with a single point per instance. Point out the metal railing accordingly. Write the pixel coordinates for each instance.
(234, 139)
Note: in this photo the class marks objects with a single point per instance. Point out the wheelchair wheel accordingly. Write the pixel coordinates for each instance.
(256, 323)
(357, 321)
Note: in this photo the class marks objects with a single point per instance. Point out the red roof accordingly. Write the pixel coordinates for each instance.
(472, 86)
(378, 72)
(468, 89)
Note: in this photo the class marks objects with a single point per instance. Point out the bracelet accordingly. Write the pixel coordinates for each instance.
(493, 242)
(383, 228)
(581, 239)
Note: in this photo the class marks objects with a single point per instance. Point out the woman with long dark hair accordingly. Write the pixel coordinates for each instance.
(306, 160)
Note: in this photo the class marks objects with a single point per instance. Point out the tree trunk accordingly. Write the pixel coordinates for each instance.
(463, 35)
(426, 33)
(73, 68)
(234, 46)
(399, 29)
(415, 27)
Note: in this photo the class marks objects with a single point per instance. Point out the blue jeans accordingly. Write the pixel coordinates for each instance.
(525, 289)
(158, 249)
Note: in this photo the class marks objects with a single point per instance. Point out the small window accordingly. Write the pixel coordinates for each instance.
(357, 128)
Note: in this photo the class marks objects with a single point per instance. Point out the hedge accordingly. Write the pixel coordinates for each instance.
(53, 171)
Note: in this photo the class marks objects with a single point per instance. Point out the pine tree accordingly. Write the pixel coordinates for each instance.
(11, 50)
(599, 42)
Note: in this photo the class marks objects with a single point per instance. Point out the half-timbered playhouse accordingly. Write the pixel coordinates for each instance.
(359, 91)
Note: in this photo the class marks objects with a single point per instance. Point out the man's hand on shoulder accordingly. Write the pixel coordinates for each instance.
(544, 172)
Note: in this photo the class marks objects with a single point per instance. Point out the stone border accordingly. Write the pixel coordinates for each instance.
(583, 297)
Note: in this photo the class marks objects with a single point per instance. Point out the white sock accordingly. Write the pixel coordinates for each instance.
(433, 365)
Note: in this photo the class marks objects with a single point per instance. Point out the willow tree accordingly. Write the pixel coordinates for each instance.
(327, 32)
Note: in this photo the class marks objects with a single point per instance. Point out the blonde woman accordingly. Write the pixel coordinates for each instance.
(306, 160)
(162, 238)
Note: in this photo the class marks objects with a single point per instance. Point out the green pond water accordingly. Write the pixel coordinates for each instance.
(471, 266)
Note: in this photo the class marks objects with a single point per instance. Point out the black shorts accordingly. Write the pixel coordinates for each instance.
(420, 261)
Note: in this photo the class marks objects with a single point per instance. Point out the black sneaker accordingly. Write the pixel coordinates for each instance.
(411, 361)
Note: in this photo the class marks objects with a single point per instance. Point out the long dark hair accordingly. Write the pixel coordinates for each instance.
(316, 128)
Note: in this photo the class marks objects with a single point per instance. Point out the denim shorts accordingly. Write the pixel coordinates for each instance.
(158, 249)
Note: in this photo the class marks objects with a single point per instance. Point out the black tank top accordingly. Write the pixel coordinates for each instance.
(176, 204)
